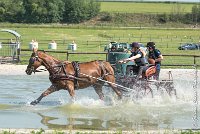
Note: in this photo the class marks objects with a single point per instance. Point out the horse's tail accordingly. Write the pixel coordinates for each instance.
(106, 68)
(109, 76)
(109, 68)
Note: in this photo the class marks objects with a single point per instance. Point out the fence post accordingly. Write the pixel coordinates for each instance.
(64, 41)
(18, 55)
(67, 55)
(106, 56)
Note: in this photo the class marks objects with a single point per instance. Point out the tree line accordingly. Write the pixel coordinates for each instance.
(76, 11)
(178, 16)
(48, 11)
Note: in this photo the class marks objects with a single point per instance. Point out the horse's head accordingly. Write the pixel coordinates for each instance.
(34, 62)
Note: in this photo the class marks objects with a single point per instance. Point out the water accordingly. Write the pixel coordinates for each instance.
(57, 111)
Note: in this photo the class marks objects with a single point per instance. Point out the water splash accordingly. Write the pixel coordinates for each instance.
(58, 111)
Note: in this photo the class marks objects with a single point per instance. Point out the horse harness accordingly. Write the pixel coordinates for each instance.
(59, 73)
(60, 69)
(75, 64)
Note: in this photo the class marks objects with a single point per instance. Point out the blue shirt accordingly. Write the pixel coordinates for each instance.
(154, 55)
(139, 61)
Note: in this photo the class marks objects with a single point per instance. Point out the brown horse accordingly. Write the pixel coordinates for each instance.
(71, 75)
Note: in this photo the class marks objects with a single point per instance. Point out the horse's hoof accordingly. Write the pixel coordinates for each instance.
(102, 99)
(34, 102)
(119, 97)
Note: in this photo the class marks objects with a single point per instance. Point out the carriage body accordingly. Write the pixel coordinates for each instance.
(146, 85)
(118, 51)
(114, 57)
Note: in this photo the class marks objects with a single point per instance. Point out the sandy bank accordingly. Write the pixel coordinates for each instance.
(6, 69)
(28, 131)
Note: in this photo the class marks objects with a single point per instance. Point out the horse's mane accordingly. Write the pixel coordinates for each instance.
(55, 59)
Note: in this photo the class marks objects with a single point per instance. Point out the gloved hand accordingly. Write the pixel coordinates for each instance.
(122, 61)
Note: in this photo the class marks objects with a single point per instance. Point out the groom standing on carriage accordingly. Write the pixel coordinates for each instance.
(155, 56)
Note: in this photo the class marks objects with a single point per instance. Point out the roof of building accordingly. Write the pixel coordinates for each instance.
(17, 35)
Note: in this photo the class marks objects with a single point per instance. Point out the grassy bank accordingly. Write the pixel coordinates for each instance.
(135, 7)
(94, 39)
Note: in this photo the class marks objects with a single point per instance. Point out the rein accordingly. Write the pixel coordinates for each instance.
(126, 89)
(40, 70)
(58, 72)
(66, 76)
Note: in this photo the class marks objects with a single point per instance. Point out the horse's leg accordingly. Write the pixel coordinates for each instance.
(98, 89)
(50, 90)
(70, 88)
(111, 80)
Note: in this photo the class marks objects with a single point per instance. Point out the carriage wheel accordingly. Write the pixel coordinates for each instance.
(143, 90)
(170, 89)
(149, 91)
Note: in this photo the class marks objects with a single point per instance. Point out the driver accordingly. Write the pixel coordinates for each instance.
(138, 56)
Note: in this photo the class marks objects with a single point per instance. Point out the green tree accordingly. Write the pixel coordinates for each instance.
(43, 11)
(196, 13)
(15, 12)
(11, 12)
(48, 11)
(93, 8)
(2, 11)
(77, 11)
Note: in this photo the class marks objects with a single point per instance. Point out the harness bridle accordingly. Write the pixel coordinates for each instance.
(32, 61)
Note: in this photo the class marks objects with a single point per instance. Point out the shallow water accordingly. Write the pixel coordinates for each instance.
(57, 111)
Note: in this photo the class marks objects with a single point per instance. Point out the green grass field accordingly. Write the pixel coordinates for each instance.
(94, 40)
(134, 7)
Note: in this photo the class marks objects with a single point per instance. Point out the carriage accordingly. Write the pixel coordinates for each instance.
(145, 86)
(71, 76)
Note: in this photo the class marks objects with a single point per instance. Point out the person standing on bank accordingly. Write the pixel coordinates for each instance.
(138, 56)
(156, 55)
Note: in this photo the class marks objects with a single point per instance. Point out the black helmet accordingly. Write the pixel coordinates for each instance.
(151, 45)
(135, 44)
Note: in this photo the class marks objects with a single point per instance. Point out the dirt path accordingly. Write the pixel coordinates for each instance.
(176, 73)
